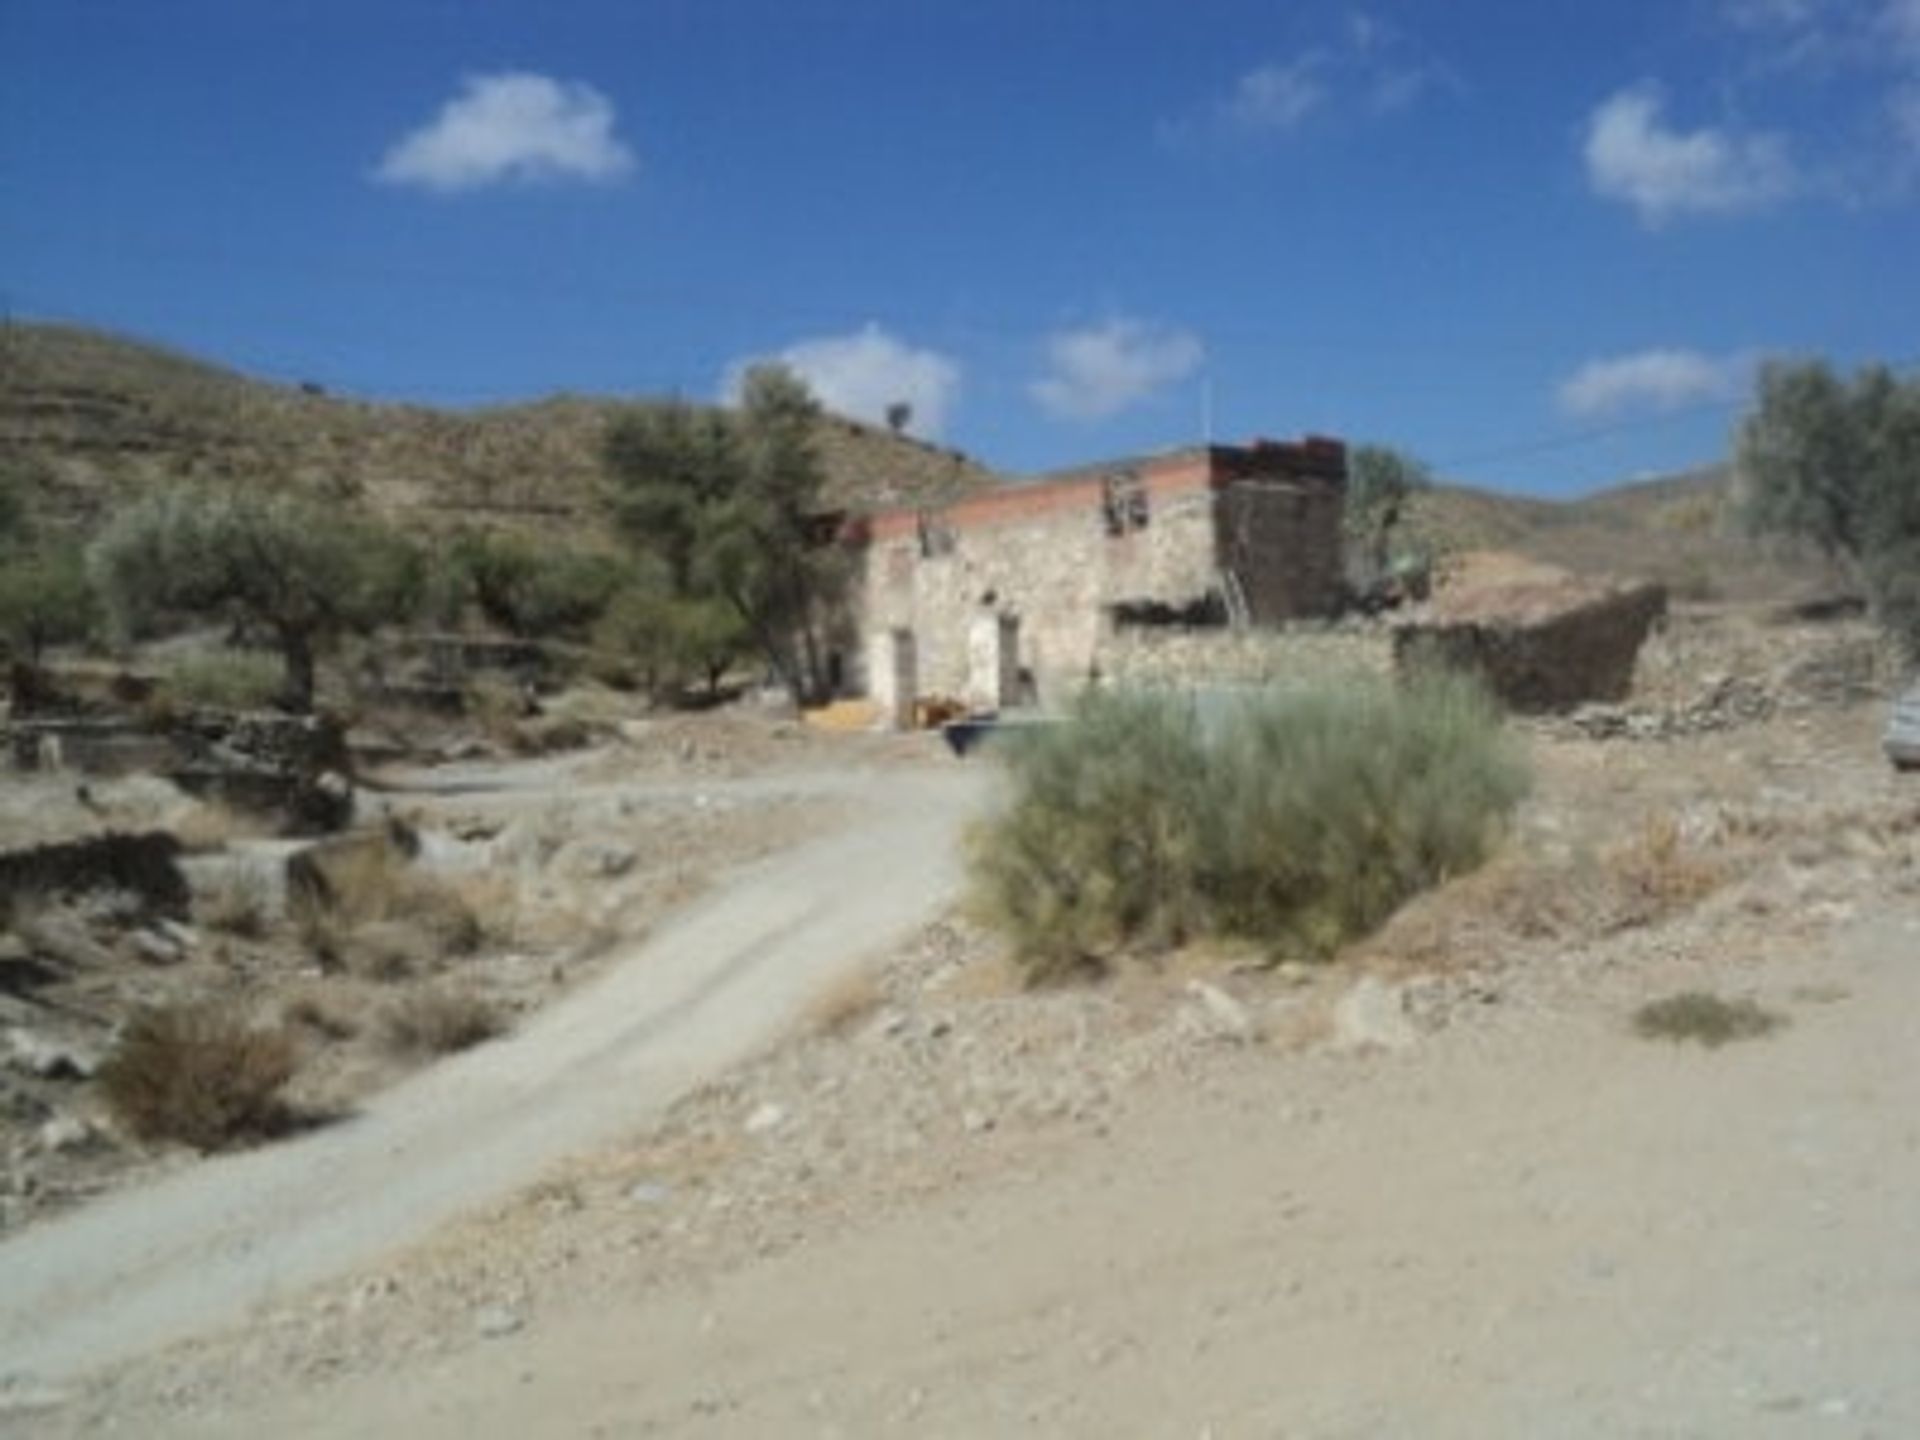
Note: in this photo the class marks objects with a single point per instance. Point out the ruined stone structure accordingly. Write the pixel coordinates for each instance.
(1013, 596)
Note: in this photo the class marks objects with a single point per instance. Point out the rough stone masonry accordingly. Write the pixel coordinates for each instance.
(1011, 596)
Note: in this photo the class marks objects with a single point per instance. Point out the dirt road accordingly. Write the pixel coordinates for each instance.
(201, 1248)
(1536, 1225)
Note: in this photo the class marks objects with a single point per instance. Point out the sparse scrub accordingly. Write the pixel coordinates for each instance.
(314, 1014)
(439, 1022)
(1656, 874)
(499, 709)
(201, 1075)
(1704, 1017)
(225, 680)
(371, 913)
(1301, 824)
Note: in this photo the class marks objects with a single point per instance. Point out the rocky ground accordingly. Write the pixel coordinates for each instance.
(1739, 858)
(524, 873)
(1712, 861)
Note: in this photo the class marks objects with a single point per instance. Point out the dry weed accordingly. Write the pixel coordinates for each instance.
(439, 1022)
(1656, 874)
(320, 1016)
(201, 1075)
(367, 910)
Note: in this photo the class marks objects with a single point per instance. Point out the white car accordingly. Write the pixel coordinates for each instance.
(1902, 741)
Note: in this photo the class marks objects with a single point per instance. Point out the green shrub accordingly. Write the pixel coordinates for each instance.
(1303, 820)
(1703, 1016)
(1101, 842)
(1328, 809)
(201, 1075)
(226, 680)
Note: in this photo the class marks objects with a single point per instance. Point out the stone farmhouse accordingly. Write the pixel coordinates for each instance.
(1012, 596)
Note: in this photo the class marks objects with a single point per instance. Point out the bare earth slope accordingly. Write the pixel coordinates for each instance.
(1541, 1225)
(202, 1247)
(87, 418)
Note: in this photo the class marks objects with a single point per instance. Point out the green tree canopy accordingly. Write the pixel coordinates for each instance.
(731, 505)
(280, 562)
(1380, 480)
(1836, 462)
(530, 588)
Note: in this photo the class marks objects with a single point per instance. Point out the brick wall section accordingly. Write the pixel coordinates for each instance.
(1053, 553)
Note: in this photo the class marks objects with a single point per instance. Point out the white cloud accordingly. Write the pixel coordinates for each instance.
(860, 375)
(1277, 97)
(1653, 380)
(1103, 369)
(1663, 172)
(511, 127)
(1903, 109)
(1368, 67)
(1900, 20)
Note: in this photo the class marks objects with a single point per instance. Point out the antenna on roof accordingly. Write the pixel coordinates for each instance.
(1206, 409)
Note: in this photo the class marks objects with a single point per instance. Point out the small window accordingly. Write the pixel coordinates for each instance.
(1123, 504)
(936, 539)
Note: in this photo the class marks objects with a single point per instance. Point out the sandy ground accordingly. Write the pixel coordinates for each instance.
(1530, 1226)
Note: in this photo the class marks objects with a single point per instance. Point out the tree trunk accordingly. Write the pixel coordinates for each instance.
(296, 653)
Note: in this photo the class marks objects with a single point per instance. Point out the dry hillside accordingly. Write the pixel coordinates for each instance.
(1679, 529)
(87, 417)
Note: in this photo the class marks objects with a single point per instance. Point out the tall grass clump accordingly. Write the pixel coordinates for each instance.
(1299, 821)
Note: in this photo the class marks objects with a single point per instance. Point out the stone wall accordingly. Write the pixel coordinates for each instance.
(1538, 664)
(1297, 655)
(143, 864)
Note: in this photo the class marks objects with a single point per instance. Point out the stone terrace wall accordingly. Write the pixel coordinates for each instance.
(1294, 656)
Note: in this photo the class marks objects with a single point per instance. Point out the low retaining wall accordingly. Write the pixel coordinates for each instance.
(145, 864)
(1581, 654)
(1296, 655)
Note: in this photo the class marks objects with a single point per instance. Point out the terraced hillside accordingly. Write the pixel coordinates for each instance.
(87, 417)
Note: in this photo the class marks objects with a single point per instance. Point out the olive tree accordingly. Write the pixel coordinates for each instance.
(531, 589)
(304, 574)
(1836, 462)
(731, 505)
(45, 599)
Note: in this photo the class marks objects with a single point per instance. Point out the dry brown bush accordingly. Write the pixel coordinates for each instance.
(379, 916)
(199, 1074)
(1656, 874)
(316, 1014)
(439, 1022)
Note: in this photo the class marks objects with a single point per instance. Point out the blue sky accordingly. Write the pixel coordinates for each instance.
(1541, 246)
